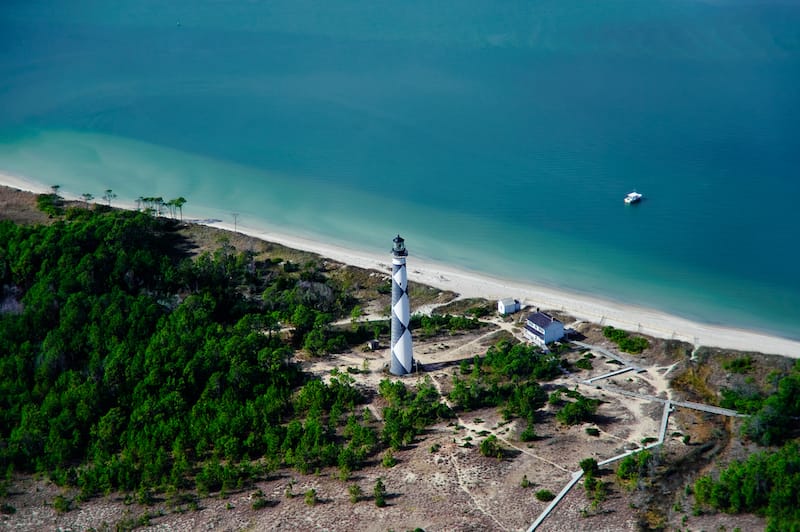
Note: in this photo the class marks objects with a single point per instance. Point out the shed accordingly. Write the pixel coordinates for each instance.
(508, 305)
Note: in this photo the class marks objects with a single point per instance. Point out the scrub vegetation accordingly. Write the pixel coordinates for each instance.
(129, 366)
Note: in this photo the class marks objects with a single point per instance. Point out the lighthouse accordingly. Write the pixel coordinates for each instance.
(401, 335)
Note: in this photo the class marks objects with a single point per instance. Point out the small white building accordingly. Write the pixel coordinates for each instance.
(508, 305)
(541, 328)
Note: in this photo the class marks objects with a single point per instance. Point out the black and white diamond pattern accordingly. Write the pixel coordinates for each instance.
(401, 335)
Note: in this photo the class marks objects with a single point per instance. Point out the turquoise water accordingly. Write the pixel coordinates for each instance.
(499, 137)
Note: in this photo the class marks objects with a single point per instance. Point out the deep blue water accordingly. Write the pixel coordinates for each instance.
(500, 137)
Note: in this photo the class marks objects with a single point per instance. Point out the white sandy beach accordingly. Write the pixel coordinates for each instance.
(468, 284)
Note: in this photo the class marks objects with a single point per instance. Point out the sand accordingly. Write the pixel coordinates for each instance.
(469, 284)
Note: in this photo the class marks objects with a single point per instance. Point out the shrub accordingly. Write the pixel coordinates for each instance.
(385, 288)
(626, 343)
(355, 493)
(380, 493)
(613, 334)
(529, 434)
(584, 363)
(51, 204)
(311, 497)
(592, 431)
(589, 466)
(61, 504)
(144, 496)
(746, 400)
(388, 459)
(577, 412)
(490, 447)
(555, 397)
(634, 466)
(739, 365)
(573, 394)
(634, 345)
(7, 509)
(260, 502)
(545, 495)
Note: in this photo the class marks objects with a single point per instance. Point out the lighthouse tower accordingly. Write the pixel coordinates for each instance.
(401, 335)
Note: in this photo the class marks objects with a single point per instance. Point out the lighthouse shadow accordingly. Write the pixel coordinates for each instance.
(435, 366)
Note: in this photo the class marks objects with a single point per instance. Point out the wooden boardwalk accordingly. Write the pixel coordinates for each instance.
(662, 433)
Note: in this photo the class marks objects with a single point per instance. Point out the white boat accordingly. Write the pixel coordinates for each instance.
(632, 197)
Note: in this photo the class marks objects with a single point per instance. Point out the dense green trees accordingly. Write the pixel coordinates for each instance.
(126, 365)
(774, 407)
(766, 484)
(518, 361)
(507, 377)
(409, 411)
(775, 420)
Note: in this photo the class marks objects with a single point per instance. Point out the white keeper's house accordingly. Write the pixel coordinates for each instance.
(541, 328)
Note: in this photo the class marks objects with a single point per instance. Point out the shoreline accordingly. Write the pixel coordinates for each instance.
(472, 284)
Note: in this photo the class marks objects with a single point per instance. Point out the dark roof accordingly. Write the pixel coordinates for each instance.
(541, 319)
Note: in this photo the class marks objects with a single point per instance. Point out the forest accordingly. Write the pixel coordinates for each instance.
(127, 365)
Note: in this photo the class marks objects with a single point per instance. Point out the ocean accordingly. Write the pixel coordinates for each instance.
(499, 137)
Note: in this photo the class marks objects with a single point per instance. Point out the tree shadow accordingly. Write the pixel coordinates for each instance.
(435, 366)
(510, 454)
(603, 420)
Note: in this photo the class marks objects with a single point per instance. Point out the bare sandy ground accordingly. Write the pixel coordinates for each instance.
(469, 284)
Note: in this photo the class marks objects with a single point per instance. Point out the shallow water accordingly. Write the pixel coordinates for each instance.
(498, 138)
